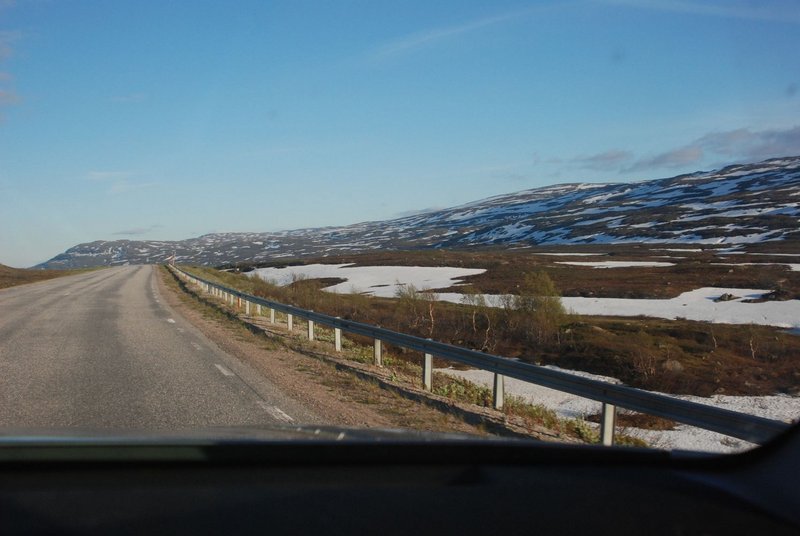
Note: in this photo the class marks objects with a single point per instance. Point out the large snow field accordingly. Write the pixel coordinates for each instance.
(699, 305)
(780, 407)
(696, 304)
(382, 281)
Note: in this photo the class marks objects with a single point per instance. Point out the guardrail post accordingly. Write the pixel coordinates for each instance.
(289, 322)
(337, 338)
(272, 316)
(238, 302)
(377, 353)
(427, 372)
(310, 330)
(608, 418)
(246, 307)
(499, 391)
(258, 309)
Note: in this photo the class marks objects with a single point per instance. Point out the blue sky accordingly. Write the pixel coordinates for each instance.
(166, 120)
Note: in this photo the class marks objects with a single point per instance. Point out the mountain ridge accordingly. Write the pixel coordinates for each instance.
(738, 204)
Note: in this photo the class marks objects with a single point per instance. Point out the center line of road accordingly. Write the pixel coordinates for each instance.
(171, 321)
(275, 412)
(223, 370)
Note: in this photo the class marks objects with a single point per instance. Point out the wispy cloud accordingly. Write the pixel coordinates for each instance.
(733, 145)
(428, 37)
(8, 96)
(433, 36)
(682, 156)
(137, 231)
(753, 145)
(604, 161)
(108, 175)
(119, 182)
(781, 11)
(408, 213)
(7, 40)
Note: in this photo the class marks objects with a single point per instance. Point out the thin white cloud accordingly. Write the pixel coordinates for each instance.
(435, 35)
(108, 175)
(409, 213)
(428, 37)
(773, 11)
(683, 156)
(123, 186)
(8, 97)
(137, 231)
(118, 182)
(7, 39)
(604, 161)
(739, 145)
(753, 145)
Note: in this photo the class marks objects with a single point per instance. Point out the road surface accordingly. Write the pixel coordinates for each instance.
(102, 350)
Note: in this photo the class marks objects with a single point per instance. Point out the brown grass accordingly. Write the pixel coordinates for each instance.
(11, 277)
(682, 357)
(691, 270)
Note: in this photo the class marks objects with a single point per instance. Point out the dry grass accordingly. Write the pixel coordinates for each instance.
(681, 357)
(692, 269)
(11, 277)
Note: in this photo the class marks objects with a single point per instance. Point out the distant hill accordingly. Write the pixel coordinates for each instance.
(740, 204)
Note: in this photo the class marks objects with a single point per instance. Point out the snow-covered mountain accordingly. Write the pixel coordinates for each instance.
(738, 204)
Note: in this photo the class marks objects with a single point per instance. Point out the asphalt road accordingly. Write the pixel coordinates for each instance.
(102, 350)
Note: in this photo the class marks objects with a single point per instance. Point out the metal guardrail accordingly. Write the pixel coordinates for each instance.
(730, 423)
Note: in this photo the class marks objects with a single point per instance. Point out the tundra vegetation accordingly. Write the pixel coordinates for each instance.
(10, 277)
(673, 356)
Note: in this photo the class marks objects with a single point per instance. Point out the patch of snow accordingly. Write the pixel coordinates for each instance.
(698, 305)
(574, 254)
(780, 407)
(618, 264)
(383, 281)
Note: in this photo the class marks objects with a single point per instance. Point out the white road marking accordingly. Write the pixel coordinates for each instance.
(223, 370)
(180, 330)
(171, 321)
(196, 346)
(276, 412)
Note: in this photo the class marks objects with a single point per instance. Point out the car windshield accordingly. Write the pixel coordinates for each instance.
(570, 221)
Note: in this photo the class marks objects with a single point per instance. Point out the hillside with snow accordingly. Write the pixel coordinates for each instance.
(740, 204)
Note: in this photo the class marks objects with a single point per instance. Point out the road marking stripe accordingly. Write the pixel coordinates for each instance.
(275, 412)
(196, 346)
(223, 370)
(171, 321)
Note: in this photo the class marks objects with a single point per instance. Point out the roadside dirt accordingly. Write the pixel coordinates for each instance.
(340, 397)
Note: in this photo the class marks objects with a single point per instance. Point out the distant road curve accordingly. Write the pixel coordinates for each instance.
(102, 350)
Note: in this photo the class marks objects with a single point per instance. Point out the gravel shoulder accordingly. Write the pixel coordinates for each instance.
(338, 397)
